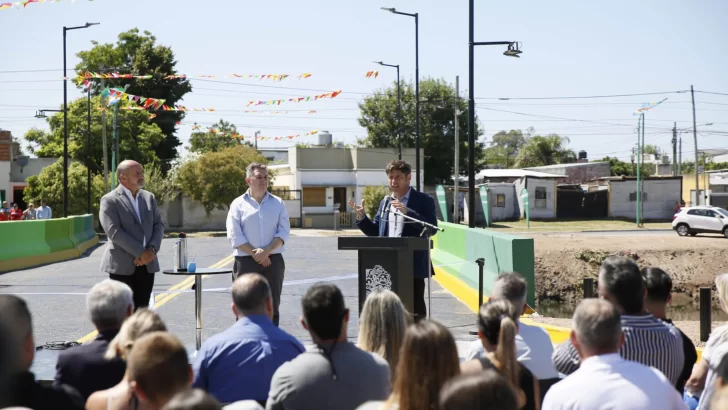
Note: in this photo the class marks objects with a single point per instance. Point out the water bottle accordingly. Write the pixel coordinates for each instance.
(175, 261)
(182, 252)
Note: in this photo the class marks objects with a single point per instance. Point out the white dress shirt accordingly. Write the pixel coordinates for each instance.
(257, 224)
(610, 382)
(135, 204)
(396, 221)
(533, 350)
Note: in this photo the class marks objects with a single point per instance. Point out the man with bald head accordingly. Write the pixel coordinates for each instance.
(134, 231)
(239, 363)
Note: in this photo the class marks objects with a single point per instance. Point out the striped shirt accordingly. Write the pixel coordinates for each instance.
(647, 340)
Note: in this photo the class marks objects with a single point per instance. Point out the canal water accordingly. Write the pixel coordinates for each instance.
(682, 312)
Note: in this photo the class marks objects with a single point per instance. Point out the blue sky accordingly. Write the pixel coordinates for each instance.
(570, 48)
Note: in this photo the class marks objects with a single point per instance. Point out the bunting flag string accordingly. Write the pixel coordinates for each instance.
(24, 3)
(110, 76)
(329, 95)
(372, 74)
(241, 137)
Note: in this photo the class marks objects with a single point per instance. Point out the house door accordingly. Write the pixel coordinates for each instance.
(340, 198)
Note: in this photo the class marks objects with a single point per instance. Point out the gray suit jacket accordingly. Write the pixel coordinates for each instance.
(124, 232)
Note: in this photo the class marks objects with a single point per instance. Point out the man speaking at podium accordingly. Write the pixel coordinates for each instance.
(388, 223)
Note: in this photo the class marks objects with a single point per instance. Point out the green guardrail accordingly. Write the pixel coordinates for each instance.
(30, 243)
(502, 253)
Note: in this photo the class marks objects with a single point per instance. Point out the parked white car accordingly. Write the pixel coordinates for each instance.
(700, 219)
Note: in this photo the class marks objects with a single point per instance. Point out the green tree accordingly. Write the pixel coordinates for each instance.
(206, 141)
(504, 147)
(137, 136)
(372, 196)
(378, 114)
(215, 179)
(163, 187)
(48, 185)
(653, 150)
(139, 54)
(545, 150)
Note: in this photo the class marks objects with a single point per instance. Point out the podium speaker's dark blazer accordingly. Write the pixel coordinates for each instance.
(420, 206)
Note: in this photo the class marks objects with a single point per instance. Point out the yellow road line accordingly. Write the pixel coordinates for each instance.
(160, 300)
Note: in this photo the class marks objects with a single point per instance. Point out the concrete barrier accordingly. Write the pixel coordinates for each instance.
(502, 253)
(24, 244)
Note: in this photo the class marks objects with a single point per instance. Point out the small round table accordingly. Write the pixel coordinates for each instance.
(198, 292)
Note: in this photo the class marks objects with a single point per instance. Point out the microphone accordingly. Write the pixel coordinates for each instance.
(387, 204)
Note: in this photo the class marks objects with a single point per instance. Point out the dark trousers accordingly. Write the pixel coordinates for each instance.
(141, 283)
(419, 296)
(273, 273)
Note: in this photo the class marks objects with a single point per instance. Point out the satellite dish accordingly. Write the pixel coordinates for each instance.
(22, 160)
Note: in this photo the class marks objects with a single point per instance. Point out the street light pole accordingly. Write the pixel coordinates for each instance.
(695, 139)
(399, 107)
(417, 89)
(512, 51)
(88, 153)
(65, 118)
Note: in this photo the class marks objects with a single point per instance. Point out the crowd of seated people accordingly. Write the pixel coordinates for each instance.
(623, 353)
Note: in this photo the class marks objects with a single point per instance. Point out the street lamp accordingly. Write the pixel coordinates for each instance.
(399, 107)
(41, 113)
(65, 118)
(512, 51)
(417, 88)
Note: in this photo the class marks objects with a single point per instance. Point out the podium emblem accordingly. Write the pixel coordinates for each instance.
(378, 278)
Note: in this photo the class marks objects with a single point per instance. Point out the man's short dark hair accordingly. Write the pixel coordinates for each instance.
(324, 310)
(399, 165)
(622, 279)
(250, 291)
(658, 284)
(192, 399)
(16, 315)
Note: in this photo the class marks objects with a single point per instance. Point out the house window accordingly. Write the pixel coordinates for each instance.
(540, 197)
(633, 196)
(314, 196)
(500, 200)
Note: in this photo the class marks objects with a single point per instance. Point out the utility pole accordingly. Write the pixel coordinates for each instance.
(114, 145)
(456, 195)
(88, 151)
(679, 159)
(695, 140)
(674, 150)
(640, 126)
(103, 137)
(256, 139)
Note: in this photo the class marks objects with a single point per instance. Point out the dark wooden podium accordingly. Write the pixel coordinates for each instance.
(385, 263)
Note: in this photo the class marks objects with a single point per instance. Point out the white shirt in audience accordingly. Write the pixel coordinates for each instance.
(610, 382)
(533, 350)
(715, 356)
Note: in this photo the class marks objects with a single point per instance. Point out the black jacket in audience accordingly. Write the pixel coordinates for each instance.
(85, 369)
(29, 393)
(691, 356)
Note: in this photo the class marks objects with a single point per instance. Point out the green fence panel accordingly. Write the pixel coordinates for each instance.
(57, 235)
(81, 229)
(19, 239)
(501, 252)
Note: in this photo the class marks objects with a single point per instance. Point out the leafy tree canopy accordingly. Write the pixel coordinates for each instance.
(207, 141)
(378, 114)
(137, 136)
(139, 54)
(48, 185)
(545, 150)
(215, 179)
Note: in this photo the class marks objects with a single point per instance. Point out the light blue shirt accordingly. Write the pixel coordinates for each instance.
(239, 363)
(43, 212)
(257, 224)
(396, 222)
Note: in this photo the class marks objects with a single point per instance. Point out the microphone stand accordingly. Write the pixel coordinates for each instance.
(426, 229)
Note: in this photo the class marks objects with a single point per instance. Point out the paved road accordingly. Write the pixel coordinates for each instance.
(650, 232)
(56, 293)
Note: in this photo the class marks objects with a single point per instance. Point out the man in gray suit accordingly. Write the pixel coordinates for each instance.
(134, 228)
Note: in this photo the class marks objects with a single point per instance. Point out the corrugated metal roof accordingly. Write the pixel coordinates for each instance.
(575, 164)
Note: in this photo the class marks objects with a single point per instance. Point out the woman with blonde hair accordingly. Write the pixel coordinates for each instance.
(428, 359)
(121, 397)
(382, 326)
(718, 336)
(497, 330)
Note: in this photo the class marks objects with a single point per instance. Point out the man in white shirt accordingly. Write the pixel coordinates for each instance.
(44, 211)
(258, 227)
(605, 380)
(533, 345)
